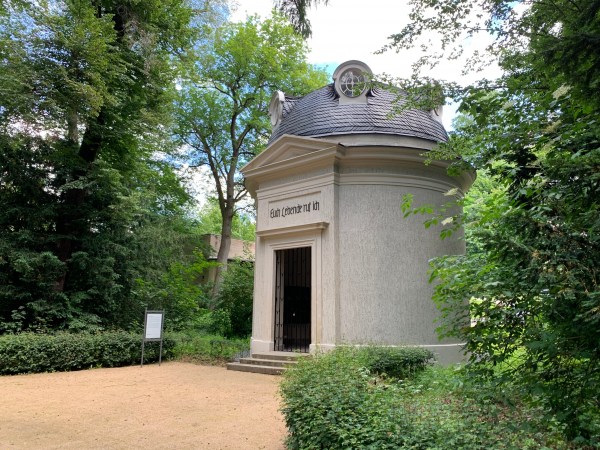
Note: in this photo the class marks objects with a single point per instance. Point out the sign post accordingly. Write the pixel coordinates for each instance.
(153, 331)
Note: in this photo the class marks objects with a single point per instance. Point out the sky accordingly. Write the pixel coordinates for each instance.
(347, 29)
(351, 29)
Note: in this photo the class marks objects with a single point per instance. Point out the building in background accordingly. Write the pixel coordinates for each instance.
(240, 250)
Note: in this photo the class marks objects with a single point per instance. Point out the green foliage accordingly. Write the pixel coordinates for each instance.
(198, 346)
(528, 278)
(178, 291)
(233, 304)
(531, 273)
(482, 205)
(92, 205)
(32, 353)
(222, 102)
(211, 221)
(330, 401)
(397, 362)
(449, 410)
(333, 401)
(539, 324)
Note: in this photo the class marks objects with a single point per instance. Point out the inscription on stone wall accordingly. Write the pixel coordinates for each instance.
(297, 208)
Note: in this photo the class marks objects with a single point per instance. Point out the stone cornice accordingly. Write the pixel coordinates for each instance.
(292, 155)
(316, 226)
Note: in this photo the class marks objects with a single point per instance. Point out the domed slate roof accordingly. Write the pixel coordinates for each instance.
(320, 114)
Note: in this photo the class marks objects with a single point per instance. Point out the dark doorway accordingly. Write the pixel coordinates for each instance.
(292, 299)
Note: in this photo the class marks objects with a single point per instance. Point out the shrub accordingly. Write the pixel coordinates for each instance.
(234, 301)
(207, 348)
(334, 401)
(397, 362)
(330, 401)
(31, 353)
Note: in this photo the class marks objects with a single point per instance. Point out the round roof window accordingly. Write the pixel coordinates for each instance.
(353, 83)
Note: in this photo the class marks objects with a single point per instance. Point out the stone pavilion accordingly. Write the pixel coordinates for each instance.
(336, 261)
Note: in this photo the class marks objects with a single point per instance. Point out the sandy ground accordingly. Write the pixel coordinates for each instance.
(172, 406)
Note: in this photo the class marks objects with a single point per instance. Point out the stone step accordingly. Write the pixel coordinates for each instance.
(273, 363)
(267, 362)
(282, 356)
(269, 370)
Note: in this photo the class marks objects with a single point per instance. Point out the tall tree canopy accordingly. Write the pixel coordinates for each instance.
(86, 94)
(533, 277)
(222, 106)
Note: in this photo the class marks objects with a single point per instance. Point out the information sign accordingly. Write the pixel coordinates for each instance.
(153, 325)
(153, 331)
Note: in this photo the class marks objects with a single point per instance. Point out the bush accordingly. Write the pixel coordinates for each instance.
(334, 401)
(397, 362)
(207, 348)
(31, 353)
(234, 301)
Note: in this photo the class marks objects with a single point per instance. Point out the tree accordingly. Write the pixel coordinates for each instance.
(222, 107)
(296, 12)
(533, 280)
(242, 226)
(86, 90)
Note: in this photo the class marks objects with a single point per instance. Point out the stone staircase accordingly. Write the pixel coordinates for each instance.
(271, 363)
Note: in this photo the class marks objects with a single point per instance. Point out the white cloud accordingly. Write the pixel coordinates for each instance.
(346, 29)
(352, 29)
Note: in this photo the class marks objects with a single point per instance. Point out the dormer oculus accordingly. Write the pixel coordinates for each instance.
(351, 81)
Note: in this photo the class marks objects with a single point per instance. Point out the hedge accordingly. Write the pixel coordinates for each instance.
(32, 353)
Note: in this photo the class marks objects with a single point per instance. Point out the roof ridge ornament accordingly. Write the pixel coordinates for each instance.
(437, 113)
(351, 81)
(276, 107)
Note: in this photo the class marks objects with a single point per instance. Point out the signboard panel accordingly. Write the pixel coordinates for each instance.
(153, 325)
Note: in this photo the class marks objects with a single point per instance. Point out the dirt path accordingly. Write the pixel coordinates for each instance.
(174, 406)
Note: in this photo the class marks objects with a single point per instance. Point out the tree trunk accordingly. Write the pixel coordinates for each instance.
(70, 224)
(223, 253)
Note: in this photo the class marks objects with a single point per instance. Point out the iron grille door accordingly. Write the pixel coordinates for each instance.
(279, 279)
(292, 299)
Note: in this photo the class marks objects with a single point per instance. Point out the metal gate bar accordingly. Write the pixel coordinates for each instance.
(279, 279)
